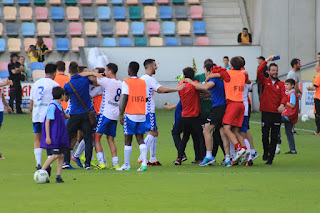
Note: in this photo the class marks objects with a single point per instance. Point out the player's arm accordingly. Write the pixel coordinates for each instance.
(199, 86)
(284, 99)
(124, 101)
(162, 89)
(261, 68)
(8, 82)
(47, 127)
(290, 105)
(212, 75)
(6, 105)
(169, 107)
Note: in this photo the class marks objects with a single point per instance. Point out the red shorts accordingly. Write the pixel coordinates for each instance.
(234, 114)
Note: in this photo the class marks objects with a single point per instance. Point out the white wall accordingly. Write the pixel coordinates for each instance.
(289, 28)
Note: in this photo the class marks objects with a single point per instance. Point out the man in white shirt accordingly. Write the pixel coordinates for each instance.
(40, 98)
(151, 124)
(108, 115)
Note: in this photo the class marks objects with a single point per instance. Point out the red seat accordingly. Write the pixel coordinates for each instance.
(48, 42)
(153, 28)
(75, 28)
(3, 65)
(196, 12)
(203, 41)
(41, 13)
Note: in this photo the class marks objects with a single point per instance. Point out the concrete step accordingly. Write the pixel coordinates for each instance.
(223, 35)
(227, 20)
(224, 27)
(233, 11)
(223, 41)
(215, 4)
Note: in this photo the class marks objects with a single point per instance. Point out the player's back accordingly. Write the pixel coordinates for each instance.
(62, 79)
(41, 94)
(234, 88)
(190, 101)
(110, 98)
(217, 92)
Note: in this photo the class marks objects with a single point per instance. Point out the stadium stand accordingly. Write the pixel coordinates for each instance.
(140, 42)
(27, 42)
(12, 29)
(172, 41)
(119, 13)
(156, 41)
(1, 29)
(181, 12)
(76, 43)
(8, 2)
(90, 28)
(93, 42)
(165, 13)
(106, 28)
(25, 13)
(55, 2)
(49, 43)
(43, 29)
(14, 45)
(132, 2)
(196, 12)
(150, 12)
(122, 28)
(40, 2)
(162, 2)
(85, 2)
(199, 27)
(168, 28)
(101, 2)
(70, 2)
(184, 28)
(23, 2)
(4, 74)
(57, 13)
(9, 13)
(37, 74)
(135, 13)
(36, 66)
(109, 42)
(75, 29)
(41, 13)
(203, 41)
(104, 13)
(193, 1)
(3, 66)
(60, 29)
(73, 13)
(62, 44)
(88, 13)
(147, 2)
(124, 42)
(27, 29)
(186, 41)
(137, 28)
(116, 2)
(153, 28)
(2, 45)
(178, 1)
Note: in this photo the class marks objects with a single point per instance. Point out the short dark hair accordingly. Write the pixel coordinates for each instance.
(50, 68)
(209, 66)
(208, 61)
(318, 53)
(61, 66)
(244, 61)
(134, 67)
(245, 29)
(290, 81)
(188, 72)
(113, 67)
(237, 62)
(272, 65)
(73, 67)
(226, 57)
(294, 61)
(57, 92)
(100, 69)
(148, 62)
(81, 68)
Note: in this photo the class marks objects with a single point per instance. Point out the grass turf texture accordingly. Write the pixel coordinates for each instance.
(291, 184)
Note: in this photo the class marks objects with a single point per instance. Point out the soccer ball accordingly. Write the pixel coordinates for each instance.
(41, 176)
(304, 118)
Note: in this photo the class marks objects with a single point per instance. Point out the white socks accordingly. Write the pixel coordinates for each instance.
(153, 150)
(100, 156)
(209, 154)
(74, 148)
(148, 141)
(227, 158)
(232, 150)
(143, 154)
(80, 149)
(247, 143)
(115, 161)
(127, 155)
(37, 155)
(252, 151)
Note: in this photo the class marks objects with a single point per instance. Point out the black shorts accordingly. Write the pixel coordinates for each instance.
(216, 116)
(59, 151)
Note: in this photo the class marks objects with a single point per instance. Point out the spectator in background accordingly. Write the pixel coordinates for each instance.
(62, 79)
(296, 65)
(15, 70)
(41, 49)
(32, 53)
(316, 88)
(21, 60)
(245, 37)
(260, 87)
(226, 64)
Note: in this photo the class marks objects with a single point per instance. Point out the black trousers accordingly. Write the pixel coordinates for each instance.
(191, 126)
(176, 134)
(80, 122)
(270, 121)
(16, 95)
(317, 107)
(217, 141)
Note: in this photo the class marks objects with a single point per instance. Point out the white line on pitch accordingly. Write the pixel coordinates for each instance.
(305, 130)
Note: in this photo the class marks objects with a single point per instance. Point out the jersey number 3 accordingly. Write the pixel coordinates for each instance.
(40, 90)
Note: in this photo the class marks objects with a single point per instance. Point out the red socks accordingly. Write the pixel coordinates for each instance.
(238, 146)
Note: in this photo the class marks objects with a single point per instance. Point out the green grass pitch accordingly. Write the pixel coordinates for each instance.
(291, 184)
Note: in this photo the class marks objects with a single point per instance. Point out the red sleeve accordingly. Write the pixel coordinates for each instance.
(247, 77)
(225, 76)
(284, 97)
(260, 73)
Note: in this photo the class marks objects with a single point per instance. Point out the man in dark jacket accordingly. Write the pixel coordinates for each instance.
(15, 69)
(272, 102)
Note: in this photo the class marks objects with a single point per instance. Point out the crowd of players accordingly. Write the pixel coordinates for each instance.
(213, 106)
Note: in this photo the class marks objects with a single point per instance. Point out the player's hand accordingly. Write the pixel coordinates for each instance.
(122, 119)
(281, 108)
(181, 86)
(187, 80)
(9, 82)
(9, 109)
(167, 106)
(48, 141)
(98, 75)
(299, 96)
(270, 58)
